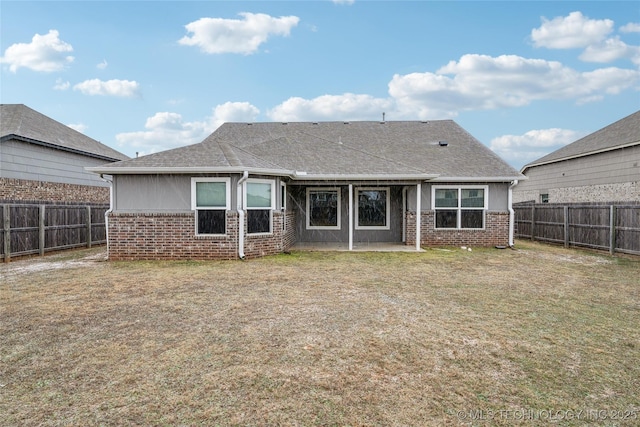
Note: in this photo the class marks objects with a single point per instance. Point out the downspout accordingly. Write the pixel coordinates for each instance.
(511, 212)
(241, 181)
(108, 211)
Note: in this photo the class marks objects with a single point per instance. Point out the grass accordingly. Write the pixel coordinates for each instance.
(444, 337)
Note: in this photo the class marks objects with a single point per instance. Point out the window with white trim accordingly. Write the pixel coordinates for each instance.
(210, 200)
(372, 209)
(259, 202)
(323, 208)
(460, 207)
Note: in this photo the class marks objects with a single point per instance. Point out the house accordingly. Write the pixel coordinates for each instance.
(42, 160)
(252, 189)
(601, 167)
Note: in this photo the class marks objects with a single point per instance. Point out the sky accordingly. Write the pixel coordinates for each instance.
(523, 77)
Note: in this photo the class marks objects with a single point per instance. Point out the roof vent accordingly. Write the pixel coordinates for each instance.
(443, 143)
(285, 123)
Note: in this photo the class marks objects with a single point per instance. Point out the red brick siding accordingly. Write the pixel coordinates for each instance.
(136, 236)
(22, 190)
(496, 231)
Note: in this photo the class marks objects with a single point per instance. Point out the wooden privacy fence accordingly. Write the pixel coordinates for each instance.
(27, 229)
(612, 227)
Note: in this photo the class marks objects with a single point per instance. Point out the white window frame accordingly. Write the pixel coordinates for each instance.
(195, 208)
(387, 213)
(271, 207)
(338, 207)
(459, 208)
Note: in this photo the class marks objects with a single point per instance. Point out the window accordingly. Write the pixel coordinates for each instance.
(210, 201)
(459, 207)
(323, 208)
(544, 198)
(259, 203)
(372, 208)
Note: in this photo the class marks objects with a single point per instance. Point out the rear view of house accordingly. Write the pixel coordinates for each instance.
(601, 167)
(43, 161)
(252, 189)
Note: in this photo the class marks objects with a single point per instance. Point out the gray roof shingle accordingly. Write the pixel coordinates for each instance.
(619, 134)
(21, 122)
(332, 149)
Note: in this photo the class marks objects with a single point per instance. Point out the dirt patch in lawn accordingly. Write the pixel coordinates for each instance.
(488, 337)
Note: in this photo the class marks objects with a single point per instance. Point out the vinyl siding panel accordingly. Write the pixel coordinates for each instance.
(613, 167)
(152, 193)
(20, 160)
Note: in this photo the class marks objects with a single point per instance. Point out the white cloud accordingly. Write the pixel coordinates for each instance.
(475, 82)
(46, 53)
(631, 27)
(103, 65)
(121, 88)
(611, 50)
(522, 149)
(79, 127)
(61, 85)
(573, 31)
(166, 130)
(218, 35)
(349, 2)
(481, 82)
(348, 106)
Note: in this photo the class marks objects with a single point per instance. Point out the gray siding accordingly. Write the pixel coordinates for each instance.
(498, 195)
(152, 193)
(613, 167)
(20, 160)
(163, 193)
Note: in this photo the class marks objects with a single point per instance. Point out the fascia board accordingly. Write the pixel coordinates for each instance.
(479, 178)
(116, 170)
(57, 147)
(294, 175)
(364, 177)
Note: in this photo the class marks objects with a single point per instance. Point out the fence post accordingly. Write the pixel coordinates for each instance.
(6, 226)
(88, 223)
(566, 226)
(533, 221)
(41, 229)
(612, 229)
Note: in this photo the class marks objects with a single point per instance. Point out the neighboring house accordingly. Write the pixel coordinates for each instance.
(331, 182)
(42, 160)
(601, 167)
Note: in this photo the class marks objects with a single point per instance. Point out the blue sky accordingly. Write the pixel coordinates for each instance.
(524, 77)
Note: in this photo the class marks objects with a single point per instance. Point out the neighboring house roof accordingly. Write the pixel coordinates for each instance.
(17, 121)
(623, 133)
(332, 150)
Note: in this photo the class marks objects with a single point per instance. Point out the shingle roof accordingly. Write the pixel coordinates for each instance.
(620, 134)
(21, 122)
(332, 149)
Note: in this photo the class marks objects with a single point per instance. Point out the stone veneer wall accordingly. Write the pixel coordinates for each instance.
(27, 191)
(496, 231)
(171, 236)
(621, 192)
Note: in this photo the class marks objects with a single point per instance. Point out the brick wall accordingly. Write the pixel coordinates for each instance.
(27, 191)
(496, 231)
(138, 236)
